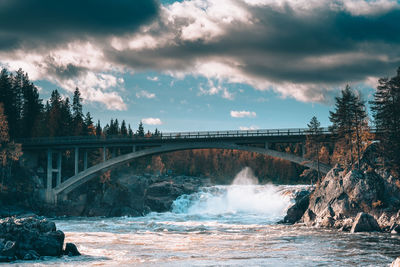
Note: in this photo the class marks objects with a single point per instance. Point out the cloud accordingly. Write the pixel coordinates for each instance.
(245, 128)
(243, 114)
(216, 90)
(29, 23)
(301, 49)
(152, 121)
(154, 79)
(145, 94)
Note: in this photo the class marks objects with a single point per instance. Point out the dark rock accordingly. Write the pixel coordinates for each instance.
(31, 255)
(9, 249)
(295, 212)
(365, 223)
(71, 250)
(50, 244)
(29, 238)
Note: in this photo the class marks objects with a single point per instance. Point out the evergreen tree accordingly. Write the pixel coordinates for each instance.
(88, 123)
(313, 140)
(32, 114)
(348, 120)
(78, 123)
(386, 113)
(8, 98)
(130, 132)
(124, 130)
(140, 130)
(156, 132)
(99, 131)
(54, 114)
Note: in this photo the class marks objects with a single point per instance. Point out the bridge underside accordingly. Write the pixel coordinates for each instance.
(80, 178)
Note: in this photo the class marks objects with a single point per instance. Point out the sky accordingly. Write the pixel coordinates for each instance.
(200, 65)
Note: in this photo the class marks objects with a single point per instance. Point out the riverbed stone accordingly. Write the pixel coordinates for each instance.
(71, 250)
(365, 223)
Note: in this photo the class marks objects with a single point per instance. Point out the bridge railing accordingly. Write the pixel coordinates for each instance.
(172, 135)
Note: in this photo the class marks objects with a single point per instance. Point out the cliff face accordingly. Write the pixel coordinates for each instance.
(341, 196)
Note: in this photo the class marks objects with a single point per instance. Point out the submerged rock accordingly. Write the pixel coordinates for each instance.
(71, 250)
(365, 223)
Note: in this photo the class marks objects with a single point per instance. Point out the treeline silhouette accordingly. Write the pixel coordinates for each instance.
(28, 116)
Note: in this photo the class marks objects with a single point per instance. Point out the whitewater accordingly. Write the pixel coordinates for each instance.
(232, 225)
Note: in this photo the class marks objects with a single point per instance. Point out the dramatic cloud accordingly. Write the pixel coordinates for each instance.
(297, 48)
(145, 94)
(300, 49)
(243, 114)
(29, 23)
(151, 121)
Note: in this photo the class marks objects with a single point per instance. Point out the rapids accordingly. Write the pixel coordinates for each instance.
(233, 225)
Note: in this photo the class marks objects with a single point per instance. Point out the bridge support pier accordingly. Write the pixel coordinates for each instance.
(266, 145)
(59, 156)
(50, 198)
(104, 153)
(49, 183)
(133, 148)
(85, 162)
(76, 160)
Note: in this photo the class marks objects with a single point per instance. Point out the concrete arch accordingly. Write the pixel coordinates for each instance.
(88, 174)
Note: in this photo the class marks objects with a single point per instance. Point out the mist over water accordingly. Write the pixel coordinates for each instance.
(243, 197)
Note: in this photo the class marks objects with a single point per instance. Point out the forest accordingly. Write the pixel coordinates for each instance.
(23, 114)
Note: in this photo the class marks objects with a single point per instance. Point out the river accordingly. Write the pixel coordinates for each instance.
(233, 225)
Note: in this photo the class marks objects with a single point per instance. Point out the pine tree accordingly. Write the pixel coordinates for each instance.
(78, 123)
(32, 113)
(124, 130)
(9, 151)
(8, 98)
(99, 131)
(348, 122)
(140, 130)
(386, 112)
(313, 140)
(130, 132)
(88, 123)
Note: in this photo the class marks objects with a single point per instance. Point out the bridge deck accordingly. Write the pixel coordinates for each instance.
(275, 135)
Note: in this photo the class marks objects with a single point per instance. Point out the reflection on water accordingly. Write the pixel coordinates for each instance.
(223, 226)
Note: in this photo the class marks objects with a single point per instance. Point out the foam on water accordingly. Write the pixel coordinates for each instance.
(244, 196)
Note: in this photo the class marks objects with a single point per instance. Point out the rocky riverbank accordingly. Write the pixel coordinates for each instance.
(356, 200)
(127, 194)
(31, 238)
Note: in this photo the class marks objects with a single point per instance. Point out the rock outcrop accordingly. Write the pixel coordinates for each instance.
(29, 239)
(359, 199)
(365, 223)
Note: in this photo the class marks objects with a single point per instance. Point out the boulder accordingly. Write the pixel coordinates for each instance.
(365, 223)
(295, 212)
(31, 255)
(71, 250)
(29, 238)
(9, 249)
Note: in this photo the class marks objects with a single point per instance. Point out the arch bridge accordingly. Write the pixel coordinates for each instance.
(259, 141)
